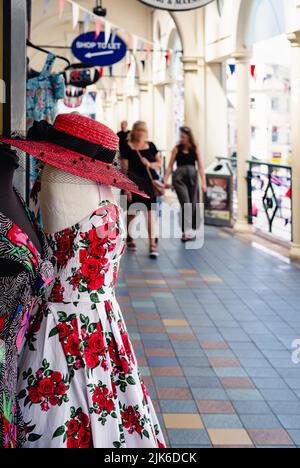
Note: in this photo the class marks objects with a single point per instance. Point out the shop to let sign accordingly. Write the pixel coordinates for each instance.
(176, 5)
(97, 51)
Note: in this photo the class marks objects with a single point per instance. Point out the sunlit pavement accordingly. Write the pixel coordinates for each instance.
(213, 331)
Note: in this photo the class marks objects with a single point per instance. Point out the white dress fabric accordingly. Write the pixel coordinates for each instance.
(79, 384)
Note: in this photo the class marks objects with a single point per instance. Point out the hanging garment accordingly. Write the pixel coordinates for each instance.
(83, 390)
(18, 296)
(43, 93)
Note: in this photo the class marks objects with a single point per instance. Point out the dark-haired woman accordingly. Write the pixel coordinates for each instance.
(190, 165)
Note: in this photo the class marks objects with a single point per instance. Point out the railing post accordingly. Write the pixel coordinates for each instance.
(250, 203)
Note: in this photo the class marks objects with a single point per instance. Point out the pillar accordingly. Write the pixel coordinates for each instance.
(295, 119)
(14, 73)
(146, 103)
(121, 107)
(243, 138)
(194, 97)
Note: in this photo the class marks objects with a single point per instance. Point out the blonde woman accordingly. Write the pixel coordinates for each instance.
(138, 157)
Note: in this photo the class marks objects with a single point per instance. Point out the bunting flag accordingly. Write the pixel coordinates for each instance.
(111, 71)
(87, 22)
(108, 29)
(101, 70)
(232, 68)
(46, 5)
(149, 50)
(168, 57)
(62, 4)
(253, 70)
(75, 13)
(130, 41)
(134, 44)
(98, 27)
(114, 33)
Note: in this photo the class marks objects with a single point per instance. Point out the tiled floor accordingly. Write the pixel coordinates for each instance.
(213, 331)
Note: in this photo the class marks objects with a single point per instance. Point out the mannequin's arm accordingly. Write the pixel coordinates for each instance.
(10, 268)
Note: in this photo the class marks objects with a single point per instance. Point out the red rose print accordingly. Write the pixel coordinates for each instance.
(54, 401)
(63, 330)
(84, 419)
(45, 407)
(64, 250)
(72, 443)
(85, 438)
(83, 256)
(127, 345)
(125, 365)
(75, 280)
(91, 270)
(73, 427)
(56, 377)
(34, 395)
(92, 360)
(72, 346)
(57, 294)
(61, 389)
(46, 387)
(96, 343)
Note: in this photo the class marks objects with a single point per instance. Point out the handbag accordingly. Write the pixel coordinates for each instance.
(159, 188)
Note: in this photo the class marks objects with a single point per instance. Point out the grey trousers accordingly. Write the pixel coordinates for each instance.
(186, 184)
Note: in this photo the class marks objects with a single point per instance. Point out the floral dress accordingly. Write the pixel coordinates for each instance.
(18, 294)
(80, 386)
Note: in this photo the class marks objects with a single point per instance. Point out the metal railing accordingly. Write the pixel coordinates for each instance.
(270, 198)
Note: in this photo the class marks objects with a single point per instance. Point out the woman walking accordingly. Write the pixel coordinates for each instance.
(141, 158)
(186, 181)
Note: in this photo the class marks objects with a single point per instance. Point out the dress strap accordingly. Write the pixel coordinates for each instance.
(48, 64)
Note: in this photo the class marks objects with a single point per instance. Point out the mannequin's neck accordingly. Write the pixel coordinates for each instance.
(64, 203)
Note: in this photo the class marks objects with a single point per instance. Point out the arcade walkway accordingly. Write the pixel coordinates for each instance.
(213, 331)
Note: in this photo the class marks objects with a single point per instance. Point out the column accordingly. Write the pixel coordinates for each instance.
(295, 119)
(171, 137)
(243, 138)
(146, 103)
(121, 105)
(194, 96)
(108, 113)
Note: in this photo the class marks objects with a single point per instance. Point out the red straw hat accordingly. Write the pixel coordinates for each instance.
(78, 145)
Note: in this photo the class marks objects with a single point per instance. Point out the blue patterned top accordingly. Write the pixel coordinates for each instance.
(43, 92)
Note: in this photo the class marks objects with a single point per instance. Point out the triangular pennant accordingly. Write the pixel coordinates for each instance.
(108, 28)
(149, 50)
(75, 13)
(62, 4)
(98, 27)
(232, 68)
(114, 33)
(46, 5)
(111, 71)
(253, 70)
(93, 73)
(101, 70)
(87, 22)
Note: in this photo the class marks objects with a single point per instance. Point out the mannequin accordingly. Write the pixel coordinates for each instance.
(11, 207)
(67, 199)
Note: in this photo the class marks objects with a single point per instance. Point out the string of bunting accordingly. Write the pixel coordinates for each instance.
(135, 43)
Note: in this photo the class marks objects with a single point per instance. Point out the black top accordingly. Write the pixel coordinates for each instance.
(137, 168)
(123, 137)
(186, 159)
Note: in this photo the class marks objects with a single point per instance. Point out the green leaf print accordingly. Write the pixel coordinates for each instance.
(59, 432)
